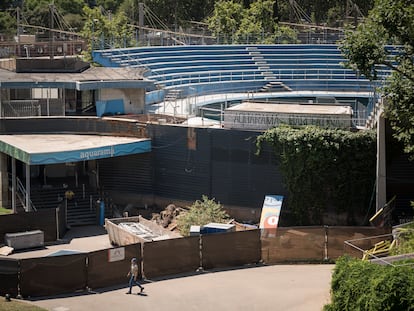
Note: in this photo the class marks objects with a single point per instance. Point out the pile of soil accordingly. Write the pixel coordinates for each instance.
(167, 218)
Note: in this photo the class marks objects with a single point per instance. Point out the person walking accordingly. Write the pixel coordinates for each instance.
(133, 276)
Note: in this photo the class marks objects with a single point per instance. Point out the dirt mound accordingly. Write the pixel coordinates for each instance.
(168, 217)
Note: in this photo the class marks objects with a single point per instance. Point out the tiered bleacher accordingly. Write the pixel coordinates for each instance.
(203, 69)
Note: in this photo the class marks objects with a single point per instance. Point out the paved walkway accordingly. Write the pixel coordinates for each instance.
(278, 287)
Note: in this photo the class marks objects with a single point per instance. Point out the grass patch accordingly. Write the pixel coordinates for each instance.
(16, 305)
(5, 211)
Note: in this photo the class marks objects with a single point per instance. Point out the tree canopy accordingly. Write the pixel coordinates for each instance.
(98, 27)
(257, 23)
(179, 12)
(368, 49)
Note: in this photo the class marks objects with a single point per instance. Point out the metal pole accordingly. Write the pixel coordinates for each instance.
(141, 23)
(28, 207)
(381, 165)
(14, 185)
(51, 36)
(57, 224)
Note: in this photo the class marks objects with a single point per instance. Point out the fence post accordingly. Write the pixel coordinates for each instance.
(200, 244)
(57, 223)
(326, 243)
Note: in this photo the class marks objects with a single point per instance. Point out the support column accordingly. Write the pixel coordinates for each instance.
(28, 205)
(4, 181)
(381, 165)
(14, 207)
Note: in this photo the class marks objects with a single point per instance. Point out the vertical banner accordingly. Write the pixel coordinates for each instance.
(270, 213)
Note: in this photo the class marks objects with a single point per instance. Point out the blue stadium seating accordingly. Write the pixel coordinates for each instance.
(241, 68)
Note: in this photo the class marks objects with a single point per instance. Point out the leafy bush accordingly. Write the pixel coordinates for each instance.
(361, 285)
(324, 169)
(405, 240)
(201, 213)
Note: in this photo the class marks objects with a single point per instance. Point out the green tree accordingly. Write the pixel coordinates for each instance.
(102, 31)
(226, 18)
(109, 5)
(69, 6)
(7, 23)
(159, 13)
(285, 34)
(258, 22)
(201, 213)
(6, 4)
(367, 49)
(131, 9)
(37, 12)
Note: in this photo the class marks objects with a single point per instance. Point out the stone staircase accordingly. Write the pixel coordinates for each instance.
(272, 85)
(261, 63)
(82, 209)
(275, 86)
(172, 95)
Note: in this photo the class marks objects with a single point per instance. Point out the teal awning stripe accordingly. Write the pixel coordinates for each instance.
(14, 152)
(77, 155)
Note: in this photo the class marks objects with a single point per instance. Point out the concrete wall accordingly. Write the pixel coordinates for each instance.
(134, 99)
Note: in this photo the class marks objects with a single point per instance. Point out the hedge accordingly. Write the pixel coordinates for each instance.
(362, 285)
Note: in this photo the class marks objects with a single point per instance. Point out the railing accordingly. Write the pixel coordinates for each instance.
(309, 35)
(20, 108)
(211, 76)
(22, 195)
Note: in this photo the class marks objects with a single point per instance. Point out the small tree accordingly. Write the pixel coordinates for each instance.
(201, 213)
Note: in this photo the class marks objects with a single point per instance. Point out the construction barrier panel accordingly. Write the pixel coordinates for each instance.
(172, 256)
(318, 243)
(9, 276)
(53, 275)
(44, 220)
(63, 273)
(230, 249)
(363, 238)
(295, 244)
(110, 267)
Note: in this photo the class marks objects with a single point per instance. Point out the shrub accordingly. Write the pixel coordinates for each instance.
(324, 169)
(201, 213)
(361, 285)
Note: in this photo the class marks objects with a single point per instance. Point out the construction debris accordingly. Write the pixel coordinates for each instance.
(168, 217)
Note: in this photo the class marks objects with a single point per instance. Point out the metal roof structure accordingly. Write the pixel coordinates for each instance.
(90, 79)
(35, 149)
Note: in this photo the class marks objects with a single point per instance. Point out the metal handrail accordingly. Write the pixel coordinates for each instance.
(22, 191)
(19, 108)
